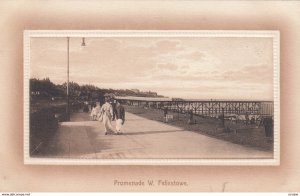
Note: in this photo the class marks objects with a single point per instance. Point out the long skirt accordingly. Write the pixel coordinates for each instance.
(107, 124)
(119, 125)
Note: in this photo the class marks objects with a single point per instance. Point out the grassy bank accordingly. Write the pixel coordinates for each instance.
(44, 121)
(239, 133)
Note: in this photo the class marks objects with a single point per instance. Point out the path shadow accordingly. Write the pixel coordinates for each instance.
(134, 119)
(72, 141)
(152, 132)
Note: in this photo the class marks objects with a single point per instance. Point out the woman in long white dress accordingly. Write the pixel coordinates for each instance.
(95, 111)
(107, 113)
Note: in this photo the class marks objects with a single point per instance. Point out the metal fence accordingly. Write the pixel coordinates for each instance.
(211, 108)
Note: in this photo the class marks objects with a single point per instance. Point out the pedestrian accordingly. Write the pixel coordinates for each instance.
(247, 118)
(165, 114)
(120, 117)
(96, 109)
(107, 112)
(268, 125)
(191, 117)
(86, 107)
(113, 104)
(252, 121)
(93, 113)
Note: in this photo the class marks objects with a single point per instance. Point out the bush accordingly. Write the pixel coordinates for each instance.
(43, 126)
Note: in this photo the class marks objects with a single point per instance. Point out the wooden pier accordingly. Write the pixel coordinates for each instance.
(212, 108)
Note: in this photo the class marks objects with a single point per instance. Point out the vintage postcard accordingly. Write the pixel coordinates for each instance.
(151, 97)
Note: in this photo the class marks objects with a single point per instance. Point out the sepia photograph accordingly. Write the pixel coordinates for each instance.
(151, 97)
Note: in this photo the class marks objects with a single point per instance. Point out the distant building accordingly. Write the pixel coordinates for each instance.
(133, 98)
(135, 90)
(149, 93)
(152, 93)
(109, 95)
(177, 99)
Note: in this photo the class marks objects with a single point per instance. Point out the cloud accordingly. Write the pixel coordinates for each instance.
(197, 67)
(250, 74)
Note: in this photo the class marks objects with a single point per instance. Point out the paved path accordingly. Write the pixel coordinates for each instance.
(143, 138)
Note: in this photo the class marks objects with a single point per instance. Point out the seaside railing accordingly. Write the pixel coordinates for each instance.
(212, 108)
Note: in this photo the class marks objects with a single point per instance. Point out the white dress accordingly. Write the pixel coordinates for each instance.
(107, 113)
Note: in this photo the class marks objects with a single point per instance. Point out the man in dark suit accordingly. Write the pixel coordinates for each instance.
(120, 117)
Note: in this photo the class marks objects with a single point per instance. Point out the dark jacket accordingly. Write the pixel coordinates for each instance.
(120, 112)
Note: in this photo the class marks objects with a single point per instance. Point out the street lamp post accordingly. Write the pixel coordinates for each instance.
(68, 75)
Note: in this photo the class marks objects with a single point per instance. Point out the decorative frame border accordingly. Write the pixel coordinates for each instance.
(28, 34)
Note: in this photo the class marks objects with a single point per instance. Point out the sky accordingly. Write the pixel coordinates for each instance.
(181, 67)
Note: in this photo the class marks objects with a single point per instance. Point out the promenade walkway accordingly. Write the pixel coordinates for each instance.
(142, 138)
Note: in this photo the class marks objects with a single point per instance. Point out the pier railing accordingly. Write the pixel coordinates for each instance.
(211, 108)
